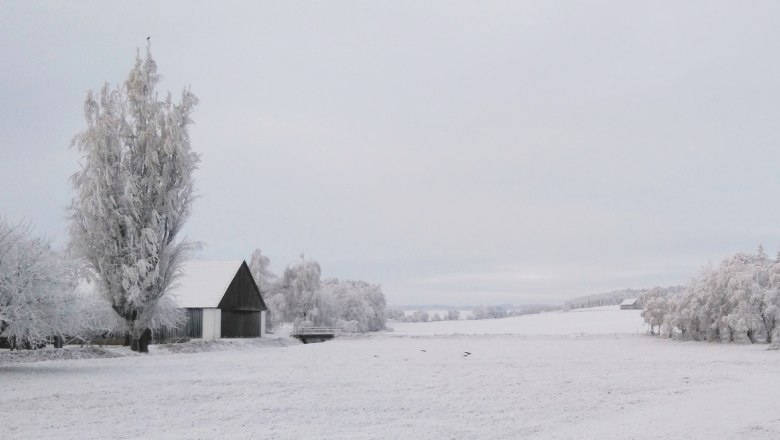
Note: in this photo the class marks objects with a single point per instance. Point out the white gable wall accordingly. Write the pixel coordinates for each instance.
(212, 323)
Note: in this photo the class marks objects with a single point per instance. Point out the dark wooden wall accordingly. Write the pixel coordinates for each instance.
(240, 324)
(192, 329)
(242, 293)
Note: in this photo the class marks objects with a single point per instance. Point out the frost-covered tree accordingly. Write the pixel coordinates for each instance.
(489, 312)
(453, 315)
(301, 297)
(420, 316)
(277, 303)
(656, 308)
(259, 266)
(134, 193)
(355, 306)
(298, 287)
(293, 296)
(37, 283)
(737, 300)
(395, 314)
(480, 312)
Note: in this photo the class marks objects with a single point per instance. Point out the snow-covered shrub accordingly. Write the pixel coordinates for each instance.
(37, 289)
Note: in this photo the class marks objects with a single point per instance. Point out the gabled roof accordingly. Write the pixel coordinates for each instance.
(203, 283)
(629, 301)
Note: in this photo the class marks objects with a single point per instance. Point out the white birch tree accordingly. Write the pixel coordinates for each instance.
(134, 193)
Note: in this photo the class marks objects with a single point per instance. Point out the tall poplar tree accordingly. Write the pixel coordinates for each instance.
(134, 193)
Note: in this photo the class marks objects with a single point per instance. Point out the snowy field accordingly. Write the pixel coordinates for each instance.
(568, 375)
(594, 321)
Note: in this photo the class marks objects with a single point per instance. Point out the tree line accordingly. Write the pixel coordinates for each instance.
(478, 312)
(302, 297)
(613, 298)
(735, 301)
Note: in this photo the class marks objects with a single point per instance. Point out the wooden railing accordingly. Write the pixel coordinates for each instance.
(312, 331)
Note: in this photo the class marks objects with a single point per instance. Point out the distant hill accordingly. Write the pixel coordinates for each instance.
(439, 312)
(436, 307)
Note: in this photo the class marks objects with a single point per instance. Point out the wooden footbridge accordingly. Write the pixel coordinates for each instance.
(309, 335)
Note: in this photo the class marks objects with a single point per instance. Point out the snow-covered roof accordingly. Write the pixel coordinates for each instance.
(204, 283)
(629, 301)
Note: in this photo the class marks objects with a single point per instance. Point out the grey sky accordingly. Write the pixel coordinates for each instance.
(455, 152)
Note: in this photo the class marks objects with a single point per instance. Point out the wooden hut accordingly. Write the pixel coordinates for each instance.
(630, 304)
(221, 300)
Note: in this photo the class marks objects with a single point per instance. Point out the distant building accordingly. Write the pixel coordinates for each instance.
(630, 304)
(221, 300)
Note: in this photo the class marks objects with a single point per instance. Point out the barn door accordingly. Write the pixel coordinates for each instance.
(240, 324)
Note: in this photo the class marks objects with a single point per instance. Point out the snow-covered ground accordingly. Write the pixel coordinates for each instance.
(597, 320)
(568, 375)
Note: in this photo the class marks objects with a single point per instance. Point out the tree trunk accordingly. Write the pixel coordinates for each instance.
(58, 341)
(143, 343)
(769, 325)
(131, 338)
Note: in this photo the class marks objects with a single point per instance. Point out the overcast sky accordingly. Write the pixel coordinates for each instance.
(455, 152)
